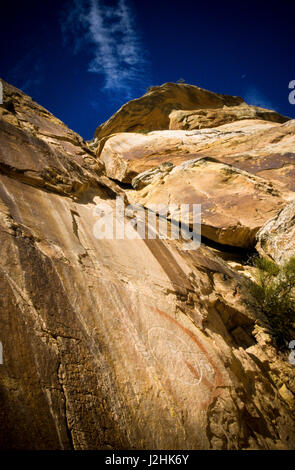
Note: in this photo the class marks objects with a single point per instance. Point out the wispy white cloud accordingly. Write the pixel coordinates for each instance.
(256, 98)
(117, 53)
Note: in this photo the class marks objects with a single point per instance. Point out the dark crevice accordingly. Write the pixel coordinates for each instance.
(244, 254)
(9, 105)
(74, 223)
(122, 184)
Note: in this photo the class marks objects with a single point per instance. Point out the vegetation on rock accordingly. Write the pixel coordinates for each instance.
(274, 291)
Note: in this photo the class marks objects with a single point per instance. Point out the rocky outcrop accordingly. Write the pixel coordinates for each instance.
(276, 238)
(235, 204)
(38, 149)
(128, 154)
(207, 118)
(259, 147)
(267, 152)
(180, 106)
(117, 343)
(151, 111)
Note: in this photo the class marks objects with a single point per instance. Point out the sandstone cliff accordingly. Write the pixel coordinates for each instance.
(151, 111)
(134, 344)
(160, 109)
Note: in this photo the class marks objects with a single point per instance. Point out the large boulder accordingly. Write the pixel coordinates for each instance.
(121, 344)
(235, 204)
(276, 238)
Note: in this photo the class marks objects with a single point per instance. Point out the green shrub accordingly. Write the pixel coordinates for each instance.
(274, 292)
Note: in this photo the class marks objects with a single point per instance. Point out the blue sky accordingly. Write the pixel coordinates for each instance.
(83, 59)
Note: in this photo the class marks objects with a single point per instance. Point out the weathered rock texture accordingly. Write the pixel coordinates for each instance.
(181, 106)
(276, 238)
(37, 148)
(119, 343)
(206, 118)
(235, 204)
(259, 147)
(151, 111)
(127, 154)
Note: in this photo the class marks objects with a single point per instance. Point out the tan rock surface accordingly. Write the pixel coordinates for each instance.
(127, 344)
(276, 238)
(151, 111)
(259, 147)
(39, 149)
(235, 204)
(206, 118)
(267, 152)
(127, 154)
(181, 106)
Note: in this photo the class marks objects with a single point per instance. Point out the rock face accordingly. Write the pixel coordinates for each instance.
(119, 344)
(151, 111)
(276, 238)
(235, 204)
(262, 148)
(181, 106)
(38, 149)
(128, 154)
(206, 118)
(267, 152)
